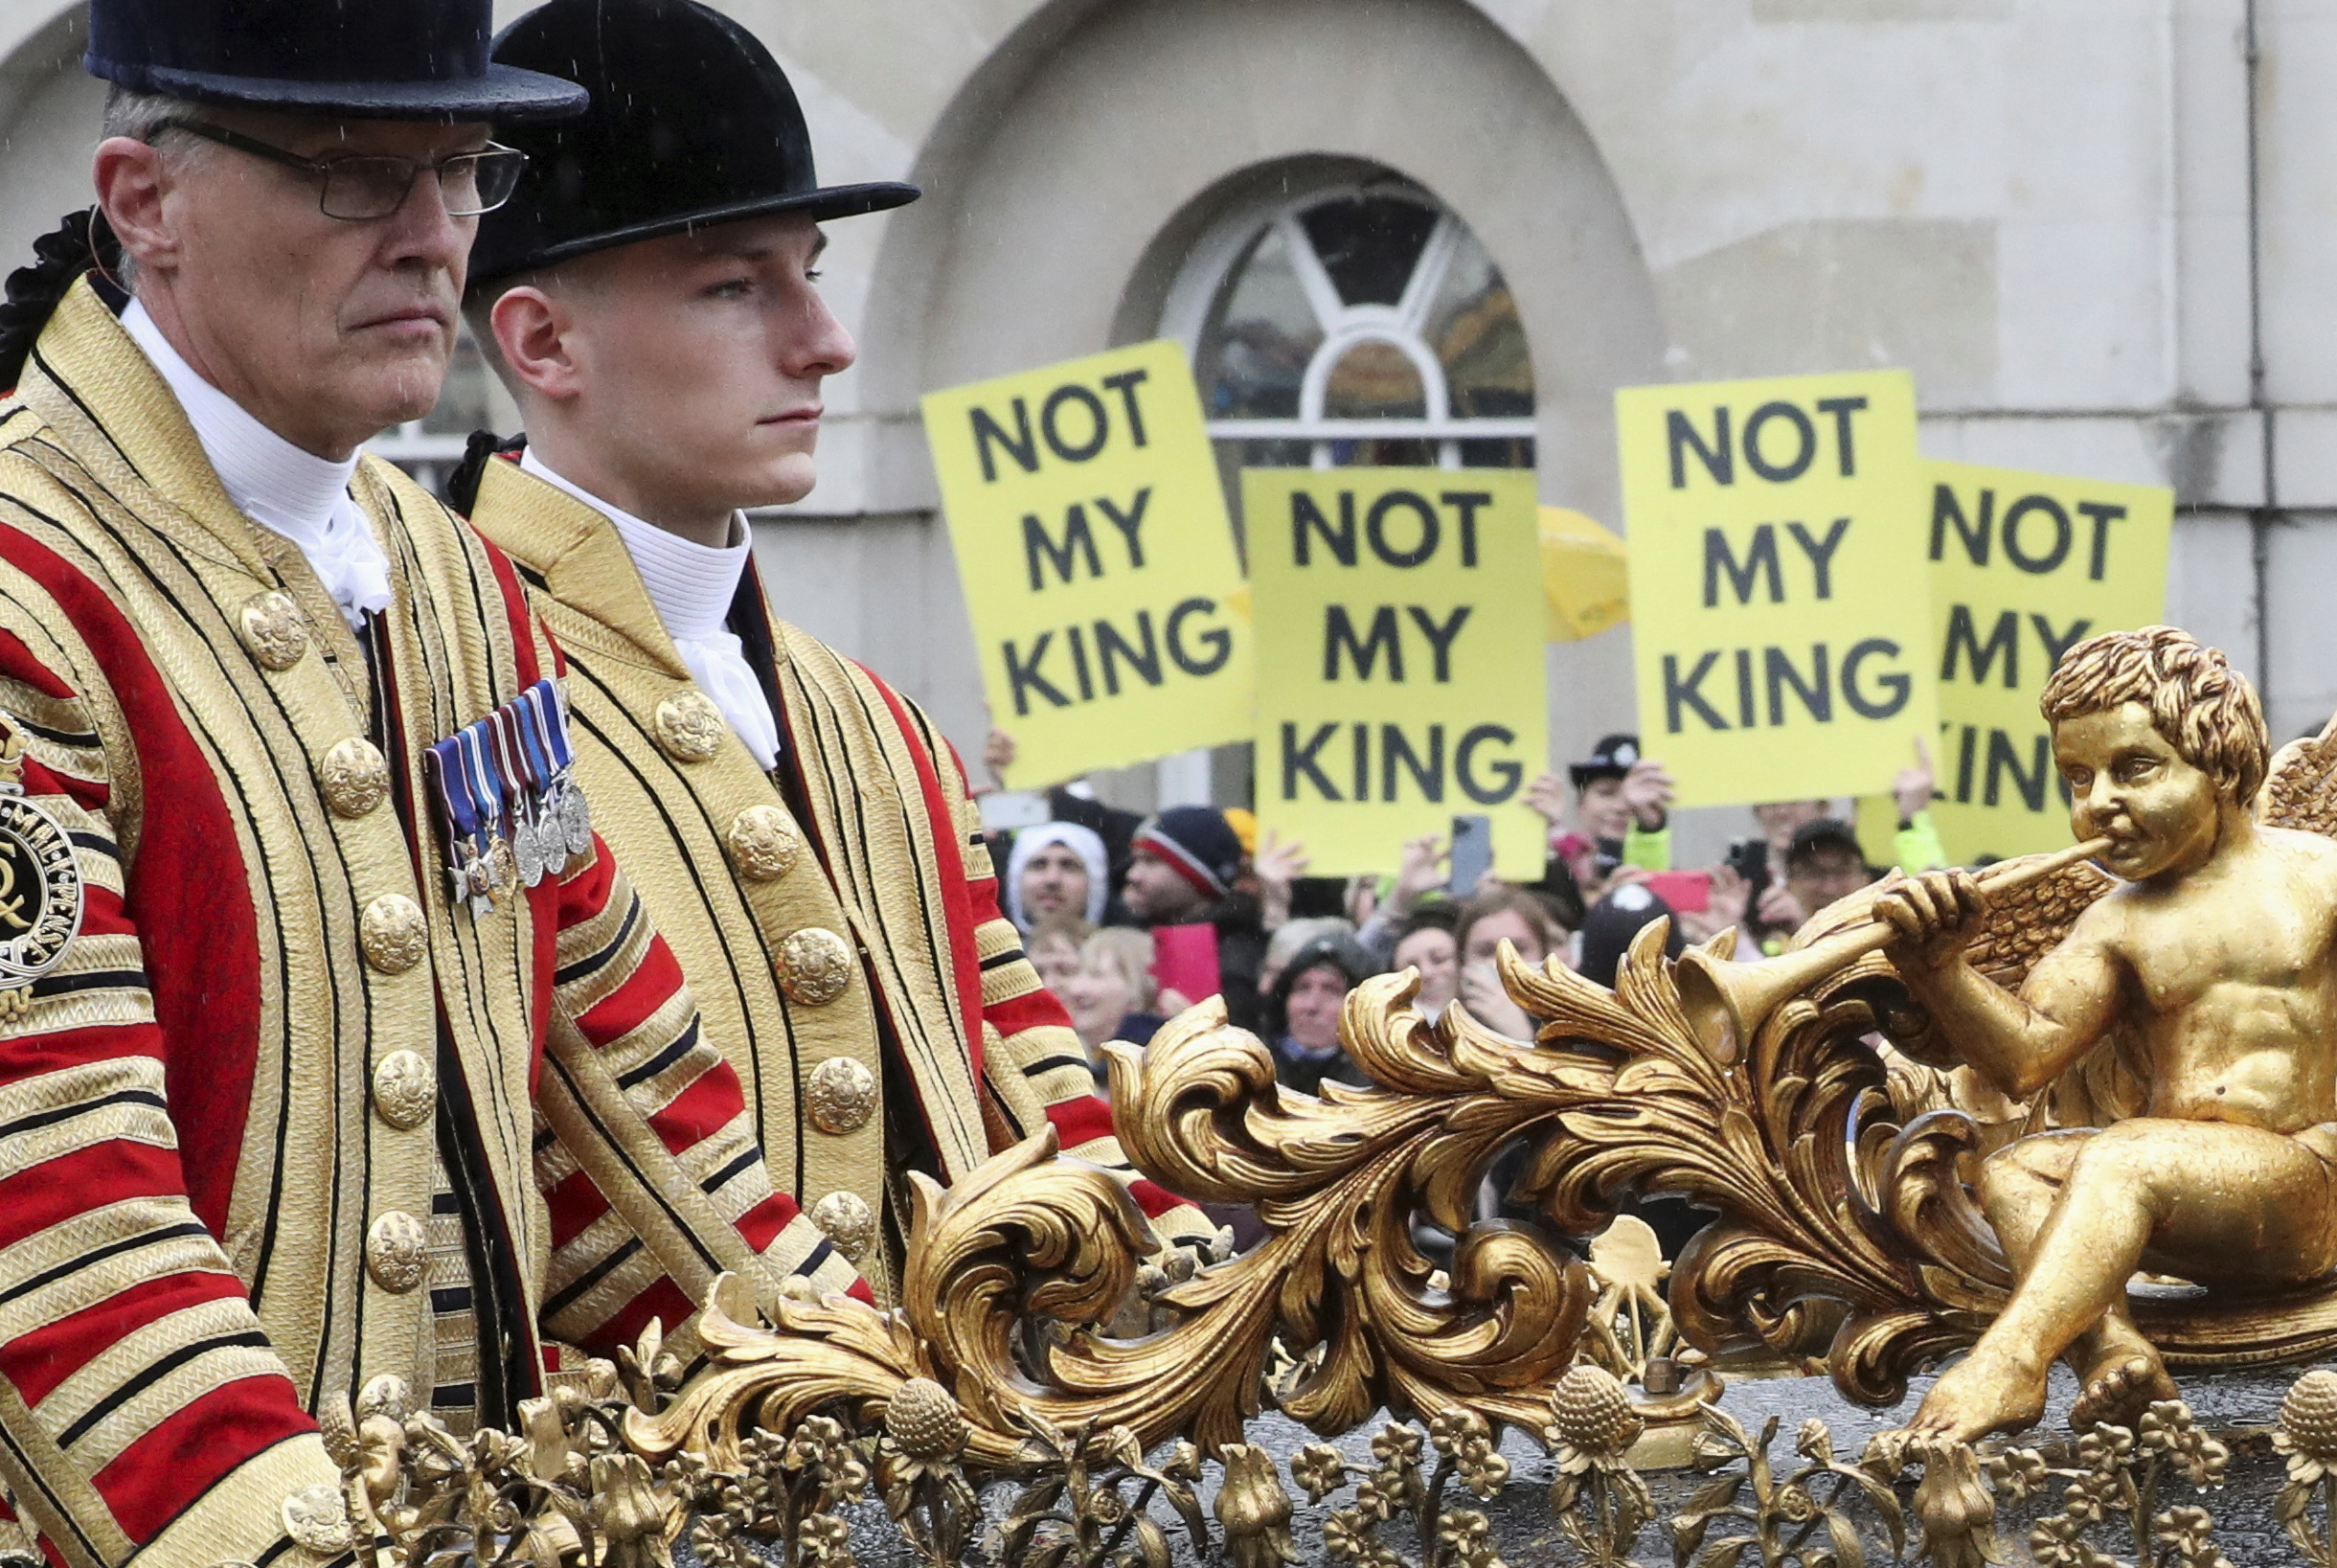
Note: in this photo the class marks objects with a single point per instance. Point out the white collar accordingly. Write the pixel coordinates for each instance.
(692, 585)
(295, 493)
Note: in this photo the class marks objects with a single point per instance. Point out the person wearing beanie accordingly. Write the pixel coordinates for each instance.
(799, 829)
(1184, 871)
(1303, 1021)
(1056, 868)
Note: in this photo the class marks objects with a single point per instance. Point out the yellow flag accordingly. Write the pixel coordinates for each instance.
(2024, 566)
(1099, 564)
(1399, 658)
(1778, 597)
(1585, 576)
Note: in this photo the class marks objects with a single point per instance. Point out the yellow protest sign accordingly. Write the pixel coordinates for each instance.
(1778, 588)
(2022, 566)
(1100, 570)
(1584, 577)
(1399, 659)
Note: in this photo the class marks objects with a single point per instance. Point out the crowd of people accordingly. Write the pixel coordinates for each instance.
(1109, 905)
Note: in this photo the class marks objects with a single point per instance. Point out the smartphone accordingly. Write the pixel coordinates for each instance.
(1472, 854)
(1686, 891)
(1185, 960)
(1008, 810)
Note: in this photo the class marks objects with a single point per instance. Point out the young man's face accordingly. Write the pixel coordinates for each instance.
(696, 362)
(1603, 810)
(2128, 783)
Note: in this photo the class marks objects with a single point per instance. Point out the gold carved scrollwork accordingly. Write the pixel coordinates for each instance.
(1336, 1182)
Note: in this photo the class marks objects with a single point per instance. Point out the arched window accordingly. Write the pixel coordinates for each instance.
(1362, 324)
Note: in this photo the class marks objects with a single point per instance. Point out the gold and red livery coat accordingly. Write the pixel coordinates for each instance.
(208, 1190)
(942, 1046)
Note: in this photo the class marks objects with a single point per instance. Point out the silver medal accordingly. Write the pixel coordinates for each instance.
(527, 850)
(576, 818)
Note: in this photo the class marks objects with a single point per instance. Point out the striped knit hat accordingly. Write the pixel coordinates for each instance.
(1197, 842)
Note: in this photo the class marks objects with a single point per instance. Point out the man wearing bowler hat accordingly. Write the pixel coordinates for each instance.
(801, 832)
(315, 1091)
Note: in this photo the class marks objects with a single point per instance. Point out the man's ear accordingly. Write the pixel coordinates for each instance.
(532, 331)
(131, 183)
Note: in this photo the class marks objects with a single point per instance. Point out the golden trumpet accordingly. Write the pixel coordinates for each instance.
(1727, 1001)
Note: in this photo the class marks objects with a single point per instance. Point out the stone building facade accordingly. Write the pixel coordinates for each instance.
(2103, 233)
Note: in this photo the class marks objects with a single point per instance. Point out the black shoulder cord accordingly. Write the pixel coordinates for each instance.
(463, 485)
(81, 243)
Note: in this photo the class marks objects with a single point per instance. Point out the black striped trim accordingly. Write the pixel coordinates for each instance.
(721, 1178)
(683, 1044)
(112, 1249)
(591, 1277)
(1048, 1064)
(999, 961)
(65, 984)
(607, 955)
(82, 1107)
(249, 1339)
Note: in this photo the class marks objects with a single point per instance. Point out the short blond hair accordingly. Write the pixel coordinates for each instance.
(2204, 708)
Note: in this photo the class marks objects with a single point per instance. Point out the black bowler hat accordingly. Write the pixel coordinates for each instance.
(692, 124)
(362, 59)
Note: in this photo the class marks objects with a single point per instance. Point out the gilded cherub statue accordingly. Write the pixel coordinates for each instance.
(2216, 954)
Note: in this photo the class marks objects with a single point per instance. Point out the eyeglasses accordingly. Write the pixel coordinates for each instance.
(363, 187)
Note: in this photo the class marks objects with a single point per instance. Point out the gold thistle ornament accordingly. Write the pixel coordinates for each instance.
(41, 892)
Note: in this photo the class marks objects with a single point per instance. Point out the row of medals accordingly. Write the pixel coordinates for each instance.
(541, 824)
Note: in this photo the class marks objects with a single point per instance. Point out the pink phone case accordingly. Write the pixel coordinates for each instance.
(1185, 960)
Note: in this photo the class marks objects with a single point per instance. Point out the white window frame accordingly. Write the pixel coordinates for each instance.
(1402, 326)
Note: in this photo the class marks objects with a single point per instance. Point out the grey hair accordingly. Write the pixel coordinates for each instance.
(140, 117)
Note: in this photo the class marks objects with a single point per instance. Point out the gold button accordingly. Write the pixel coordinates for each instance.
(841, 1095)
(392, 933)
(847, 1220)
(764, 843)
(395, 1249)
(814, 966)
(355, 776)
(317, 1519)
(271, 627)
(690, 726)
(388, 1394)
(405, 1089)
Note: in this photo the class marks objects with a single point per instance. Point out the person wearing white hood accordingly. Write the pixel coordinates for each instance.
(1056, 868)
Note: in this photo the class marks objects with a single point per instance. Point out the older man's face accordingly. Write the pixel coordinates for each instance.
(329, 331)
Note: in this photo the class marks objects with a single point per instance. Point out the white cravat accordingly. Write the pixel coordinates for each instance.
(691, 587)
(288, 492)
